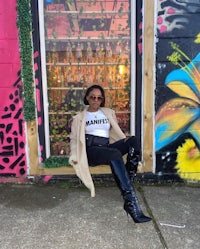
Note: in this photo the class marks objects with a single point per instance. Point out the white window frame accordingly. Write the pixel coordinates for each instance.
(44, 72)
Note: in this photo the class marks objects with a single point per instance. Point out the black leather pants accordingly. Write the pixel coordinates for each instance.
(105, 154)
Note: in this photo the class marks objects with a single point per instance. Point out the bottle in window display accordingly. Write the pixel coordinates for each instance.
(79, 52)
(98, 52)
(99, 74)
(126, 51)
(118, 50)
(110, 76)
(69, 75)
(102, 52)
(108, 51)
(89, 77)
(89, 52)
(69, 52)
(80, 75)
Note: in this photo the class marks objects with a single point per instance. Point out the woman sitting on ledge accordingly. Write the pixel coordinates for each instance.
(95, 139)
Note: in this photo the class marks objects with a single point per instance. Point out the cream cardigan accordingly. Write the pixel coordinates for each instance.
(78, 147)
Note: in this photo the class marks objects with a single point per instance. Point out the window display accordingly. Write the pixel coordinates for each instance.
(86, 42)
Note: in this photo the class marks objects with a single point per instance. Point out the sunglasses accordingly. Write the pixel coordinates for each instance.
(98, 98)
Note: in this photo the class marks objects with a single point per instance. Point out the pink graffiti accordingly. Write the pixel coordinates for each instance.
(38, 99)
(140, 43)
(35, 66)
(170, 11)
(36, 54)
(12, 139)
(163, 25)
(159, 20)
(39, 121)
(36, 82)
(47, 178)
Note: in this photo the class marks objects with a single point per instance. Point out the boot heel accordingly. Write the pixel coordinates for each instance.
(128, 215)
(138, 217)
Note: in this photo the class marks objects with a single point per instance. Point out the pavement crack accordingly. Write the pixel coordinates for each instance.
(158, 231)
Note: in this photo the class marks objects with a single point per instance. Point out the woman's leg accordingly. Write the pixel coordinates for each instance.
(113, 157)
(102, 155)
(125, 144)
(130, 147)
(131, 203)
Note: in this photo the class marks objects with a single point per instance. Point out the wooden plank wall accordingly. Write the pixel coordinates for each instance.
(148, 105)
(148, 84)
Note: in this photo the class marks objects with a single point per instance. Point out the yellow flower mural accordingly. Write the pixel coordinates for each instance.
(181, 115)
(188, 160)
(197, 40)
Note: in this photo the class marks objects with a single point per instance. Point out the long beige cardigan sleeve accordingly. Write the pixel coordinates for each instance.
(78, 146)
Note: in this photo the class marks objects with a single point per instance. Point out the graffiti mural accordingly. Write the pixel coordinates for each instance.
(138, 87)
(12, 138)
(178, 90)
(38, 81)
(12, 153)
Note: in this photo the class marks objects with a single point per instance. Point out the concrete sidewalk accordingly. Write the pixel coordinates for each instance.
(54, 216)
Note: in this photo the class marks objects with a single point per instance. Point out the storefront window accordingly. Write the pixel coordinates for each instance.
(86, 42)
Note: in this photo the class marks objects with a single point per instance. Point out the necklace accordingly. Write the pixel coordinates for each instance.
(93, 114)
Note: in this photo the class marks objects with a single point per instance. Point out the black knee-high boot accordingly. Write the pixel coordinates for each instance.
(133, 159)
(131, 203)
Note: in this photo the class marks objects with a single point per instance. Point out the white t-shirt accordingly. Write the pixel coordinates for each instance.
(97, 124)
